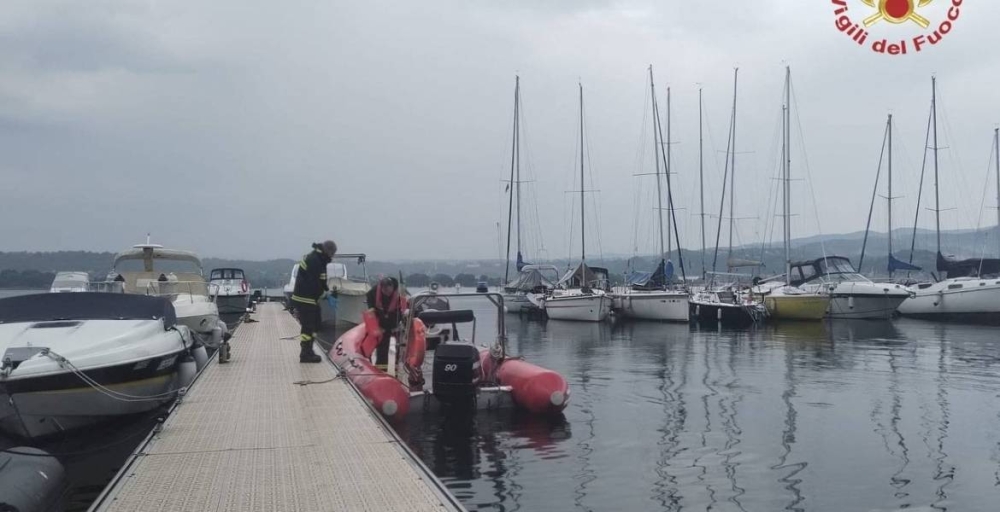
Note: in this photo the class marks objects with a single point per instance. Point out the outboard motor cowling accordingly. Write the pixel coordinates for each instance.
(456, 374)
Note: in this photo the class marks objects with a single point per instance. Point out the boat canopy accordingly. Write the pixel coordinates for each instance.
(585, 275)
(71, 280)
(50, 307)
(835, 267)
(955, 267)
(530, 278)
(147, 253)
(656, 279)
(895, 264)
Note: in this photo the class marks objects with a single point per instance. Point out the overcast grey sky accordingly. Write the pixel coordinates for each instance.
(249, 129)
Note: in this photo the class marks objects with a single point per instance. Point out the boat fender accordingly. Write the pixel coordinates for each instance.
(187, 370)
(718, 314)
(200, 356)
(224, 352)
(850, 302)
(373, 334)
(31, 480)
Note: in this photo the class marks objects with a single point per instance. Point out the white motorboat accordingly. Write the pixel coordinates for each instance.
(71, 360)
(231, 290)
(68, 282)
(852, 295)
(347, 293)
(971, 291)
(581, 295)
(289, 288)
(533, 283)
(194, 304)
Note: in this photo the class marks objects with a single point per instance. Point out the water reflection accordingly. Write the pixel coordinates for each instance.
(827, 416)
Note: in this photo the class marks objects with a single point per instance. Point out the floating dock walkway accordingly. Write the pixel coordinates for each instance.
(246, 437)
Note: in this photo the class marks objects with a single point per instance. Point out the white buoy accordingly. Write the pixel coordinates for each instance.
(187, 370)
(200, 356)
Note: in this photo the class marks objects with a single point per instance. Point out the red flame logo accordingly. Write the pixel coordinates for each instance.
(897, 11)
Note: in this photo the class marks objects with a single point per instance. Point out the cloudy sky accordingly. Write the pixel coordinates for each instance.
(248, 129)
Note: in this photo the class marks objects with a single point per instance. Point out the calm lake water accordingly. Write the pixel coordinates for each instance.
(836, 416)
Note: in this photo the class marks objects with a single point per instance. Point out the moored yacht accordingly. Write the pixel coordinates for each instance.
(347, 293)
(971, 291)
(533, 283)
(231, 290)
(289, 288)
(647, 296)
(580, 295)
(187, 290)
(68, 282)
(71, 360)
(852, 295)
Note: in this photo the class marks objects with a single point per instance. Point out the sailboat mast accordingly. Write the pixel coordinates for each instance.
(583, 221)
(670, 212)
(787, 160)
(701, 179)
(732, 171)
(889, 195)
(517, 158)
(656, 158)
(510, 185)
(937, 193)
(996, 145)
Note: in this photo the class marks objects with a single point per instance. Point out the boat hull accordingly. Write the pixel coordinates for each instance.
(728, 315)
(232, 304)
(46, 405)
(580, 308)
(348, 310)
(797, 307)
(661, 306)
(963, 299)
(866, 307)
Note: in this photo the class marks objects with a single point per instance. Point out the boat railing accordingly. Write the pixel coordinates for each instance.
(173, 289)
(106, 286)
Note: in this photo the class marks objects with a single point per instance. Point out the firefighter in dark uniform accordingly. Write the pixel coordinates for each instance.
(310, 288)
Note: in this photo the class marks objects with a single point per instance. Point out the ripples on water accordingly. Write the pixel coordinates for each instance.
(822, 417)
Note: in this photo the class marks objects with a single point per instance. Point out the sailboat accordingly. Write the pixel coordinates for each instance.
(522, 294)
(852, 294)
(582, 292)
(726, 305)
(964, 295)
(648, 295)
(787, 302)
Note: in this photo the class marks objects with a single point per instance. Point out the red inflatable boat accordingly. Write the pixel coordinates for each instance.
(462, 374)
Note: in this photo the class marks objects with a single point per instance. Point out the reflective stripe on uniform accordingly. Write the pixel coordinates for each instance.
(305, 337)
(303, 300)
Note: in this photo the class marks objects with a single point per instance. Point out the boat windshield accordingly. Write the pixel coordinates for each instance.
(839, 269)
(227, 273)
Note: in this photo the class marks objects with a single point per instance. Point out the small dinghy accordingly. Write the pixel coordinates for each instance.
(463, 375)
(69, 360)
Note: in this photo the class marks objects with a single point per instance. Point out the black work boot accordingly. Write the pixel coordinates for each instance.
(307, 355)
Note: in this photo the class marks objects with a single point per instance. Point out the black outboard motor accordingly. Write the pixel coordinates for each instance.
(31, 480)
(456, 374)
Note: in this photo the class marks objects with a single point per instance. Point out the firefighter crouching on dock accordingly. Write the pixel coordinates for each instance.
(310, 288)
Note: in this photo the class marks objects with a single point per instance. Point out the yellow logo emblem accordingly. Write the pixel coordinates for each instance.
(897, 11)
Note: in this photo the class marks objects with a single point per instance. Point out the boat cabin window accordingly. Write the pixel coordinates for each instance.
(954, 287)
(227, 273)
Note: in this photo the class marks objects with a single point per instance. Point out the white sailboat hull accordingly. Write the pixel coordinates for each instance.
(663, 306)
(961, 298)
(581, 308)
